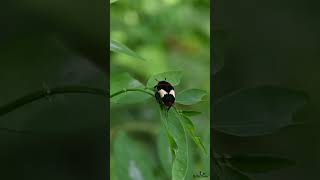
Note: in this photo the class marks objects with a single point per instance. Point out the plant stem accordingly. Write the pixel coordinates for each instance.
(45, 93)
(126, 90)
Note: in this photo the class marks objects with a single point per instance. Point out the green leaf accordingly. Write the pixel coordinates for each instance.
(123, 81)
(112, 1)
(164, 122)
(190, 96)
(188, 124)
(191, 113)
(113, 169)
(172, 77)
(206, 158)
(181, 168)
(133, 162)
(259, 163)
(120, 48)
(164, 153)
(256, 111)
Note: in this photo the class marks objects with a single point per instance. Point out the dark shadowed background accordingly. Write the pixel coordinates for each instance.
(272, 43)
(44, 45)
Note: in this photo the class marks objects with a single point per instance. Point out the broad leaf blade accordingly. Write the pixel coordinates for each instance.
(190, 96)
(165, 126)
(259, 163)
(120, 48)
(112, 1)
(188, 124)
(123, 81)
(172, 77)
(181, 168)
(256, 111)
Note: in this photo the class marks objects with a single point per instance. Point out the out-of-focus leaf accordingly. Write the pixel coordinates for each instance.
(113, 169)
(206, 158)
(256, 111)
(155, 65)
(120, 48)
(230, 173)
(123, 81)
(188, 124)
(164, 153)
(112, 1)
(181, 168)
(259, 163)
(173, 77)
(190, 96)
(132, 161)
(191, 113)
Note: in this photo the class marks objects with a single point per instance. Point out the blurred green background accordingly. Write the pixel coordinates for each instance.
(170, 35)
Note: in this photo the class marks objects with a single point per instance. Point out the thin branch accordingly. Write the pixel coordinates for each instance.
(46, 93)
(126, 90)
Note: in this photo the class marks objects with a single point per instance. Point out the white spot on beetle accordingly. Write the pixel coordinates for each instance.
(172, 93)
(162, 92)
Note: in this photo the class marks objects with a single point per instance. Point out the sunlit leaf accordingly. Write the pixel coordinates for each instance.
(112, 1)
(256, 111)
(259, 163)
(120, 48)
(123, 81)
(206, 161)
(188, 124)
(133, 162)
(190, 96)
(165, 126)
(181, 168)
(173, 77)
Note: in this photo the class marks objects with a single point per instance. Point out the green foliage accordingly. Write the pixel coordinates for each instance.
(158, 32)
(239, 166)
(120, 48)
(181, 167)
(188, 124)
(177, 126)
(135, 164)
(257, 111)
(254, 112)
(190, 113)
(259, 163)
(122, 82)
(190, 96)
(164, 153)
(112, 1)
